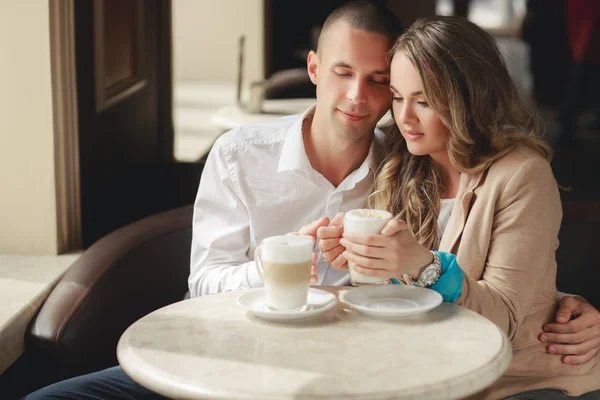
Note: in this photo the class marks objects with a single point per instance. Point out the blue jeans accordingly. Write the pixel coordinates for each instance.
(549, 394)
(111, 383)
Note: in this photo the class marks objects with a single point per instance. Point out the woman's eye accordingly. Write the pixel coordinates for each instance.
(423, 103)
(397, 99)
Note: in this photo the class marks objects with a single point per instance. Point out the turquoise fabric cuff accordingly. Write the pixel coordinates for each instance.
(449, 285)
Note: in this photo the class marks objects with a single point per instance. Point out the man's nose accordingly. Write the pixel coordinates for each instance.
(357, 92)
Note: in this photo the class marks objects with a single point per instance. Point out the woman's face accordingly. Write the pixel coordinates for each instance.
(421, 126)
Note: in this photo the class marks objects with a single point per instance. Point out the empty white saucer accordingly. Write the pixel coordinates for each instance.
(392, 301)
(319, 301)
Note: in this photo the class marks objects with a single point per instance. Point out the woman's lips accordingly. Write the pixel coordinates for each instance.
(413, 135)
(352, 117)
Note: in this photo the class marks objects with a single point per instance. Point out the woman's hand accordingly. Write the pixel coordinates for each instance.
(329, 243)
(392, 253)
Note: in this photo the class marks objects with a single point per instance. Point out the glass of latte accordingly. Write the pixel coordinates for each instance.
(284, 262)
(365, 221)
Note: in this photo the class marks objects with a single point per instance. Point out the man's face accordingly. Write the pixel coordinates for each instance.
(352, 77)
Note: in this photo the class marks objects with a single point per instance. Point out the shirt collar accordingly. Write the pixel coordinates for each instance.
(293, 155)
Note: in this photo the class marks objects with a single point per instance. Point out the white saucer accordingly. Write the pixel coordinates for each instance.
(392, 301)
(319, 301)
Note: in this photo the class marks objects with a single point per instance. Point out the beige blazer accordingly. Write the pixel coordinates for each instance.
(504, 231)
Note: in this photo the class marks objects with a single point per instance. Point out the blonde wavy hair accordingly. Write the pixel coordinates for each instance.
(466, 82)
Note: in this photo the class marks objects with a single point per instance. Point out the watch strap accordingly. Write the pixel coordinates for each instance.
(437, 266)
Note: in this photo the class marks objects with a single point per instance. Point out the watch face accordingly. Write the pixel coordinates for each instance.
(429, 274)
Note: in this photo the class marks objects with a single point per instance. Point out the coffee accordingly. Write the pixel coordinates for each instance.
(285, 263)
(286, 285)
(365, 221)
(287, 274)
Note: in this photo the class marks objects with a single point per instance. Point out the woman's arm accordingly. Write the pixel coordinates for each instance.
(522, 245)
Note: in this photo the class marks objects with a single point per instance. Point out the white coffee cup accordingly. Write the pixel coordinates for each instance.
(285, 262)
(365, 221)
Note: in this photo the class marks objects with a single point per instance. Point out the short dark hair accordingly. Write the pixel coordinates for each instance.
(371, 16)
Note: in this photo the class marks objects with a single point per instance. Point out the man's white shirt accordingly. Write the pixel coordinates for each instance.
(258, 182)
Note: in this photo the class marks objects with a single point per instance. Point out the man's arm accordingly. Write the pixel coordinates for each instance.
(221, 232)
(576, 332)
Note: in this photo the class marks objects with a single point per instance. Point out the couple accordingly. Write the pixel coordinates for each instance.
(462, 135)
(461, 168)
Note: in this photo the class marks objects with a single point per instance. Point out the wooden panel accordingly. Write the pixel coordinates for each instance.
(119, 39)
(125, 142)
(66, 125)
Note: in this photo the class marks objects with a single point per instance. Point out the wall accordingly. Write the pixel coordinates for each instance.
(27, 181)
(205, 39)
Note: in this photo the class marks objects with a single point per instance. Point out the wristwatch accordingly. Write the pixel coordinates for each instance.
(430, 273)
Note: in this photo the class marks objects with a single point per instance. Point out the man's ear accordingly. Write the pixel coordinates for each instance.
(312, 65)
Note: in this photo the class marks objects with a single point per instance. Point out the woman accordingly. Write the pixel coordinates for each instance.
(466, 175)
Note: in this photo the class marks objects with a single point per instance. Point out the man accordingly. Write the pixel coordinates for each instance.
(272, 178)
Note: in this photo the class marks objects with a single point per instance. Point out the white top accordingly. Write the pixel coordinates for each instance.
(258, 182)
(209, 348)
(446, 206)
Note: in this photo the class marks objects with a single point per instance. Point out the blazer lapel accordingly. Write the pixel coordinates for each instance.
(460, 211)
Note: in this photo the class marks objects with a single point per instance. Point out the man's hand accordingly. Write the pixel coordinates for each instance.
(329, 243)
(576, 332)
(311, 230)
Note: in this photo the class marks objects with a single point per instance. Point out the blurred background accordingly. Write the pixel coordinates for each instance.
(110, 107)
(114, 104)
(533, 36)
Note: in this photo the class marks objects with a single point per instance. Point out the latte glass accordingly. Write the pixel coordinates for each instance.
(284, 262)
(365, 221)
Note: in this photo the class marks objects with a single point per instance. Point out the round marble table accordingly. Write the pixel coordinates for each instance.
(209, 348)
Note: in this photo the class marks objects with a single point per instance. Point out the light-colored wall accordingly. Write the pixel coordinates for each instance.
(205, 39)
(27, 188)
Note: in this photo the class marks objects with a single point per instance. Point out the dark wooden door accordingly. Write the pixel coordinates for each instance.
(124, 86)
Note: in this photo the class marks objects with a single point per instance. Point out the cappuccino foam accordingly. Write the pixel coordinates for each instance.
(367, 214)
(287, 249)
(365, 220)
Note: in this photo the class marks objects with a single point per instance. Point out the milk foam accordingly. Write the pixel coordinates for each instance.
(366, 221)
(287, 249)
(367, 214)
